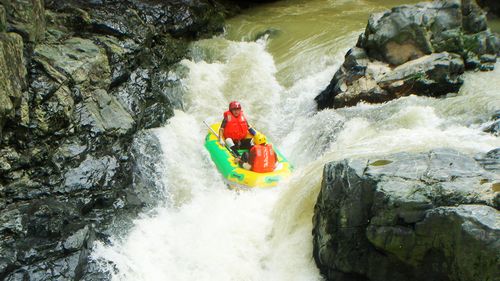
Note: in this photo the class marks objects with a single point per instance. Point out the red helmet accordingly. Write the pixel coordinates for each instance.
(234, 105)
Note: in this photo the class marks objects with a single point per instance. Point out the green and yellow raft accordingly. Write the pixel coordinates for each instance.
(235, 175)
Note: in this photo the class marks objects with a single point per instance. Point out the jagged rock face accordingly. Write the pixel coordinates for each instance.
(78, 81)
(428, 216)
(433, 42)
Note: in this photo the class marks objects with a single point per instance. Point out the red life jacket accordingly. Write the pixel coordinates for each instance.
(262, 158)
(236, 127)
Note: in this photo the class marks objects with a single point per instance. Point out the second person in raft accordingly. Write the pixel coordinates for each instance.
(234, 129)
(262, 157)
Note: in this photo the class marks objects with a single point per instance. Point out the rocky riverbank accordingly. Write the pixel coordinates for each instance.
(80, 81)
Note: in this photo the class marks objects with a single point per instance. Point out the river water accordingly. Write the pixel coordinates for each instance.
(275, 59)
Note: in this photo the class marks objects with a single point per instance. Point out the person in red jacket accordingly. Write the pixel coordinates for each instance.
(262, 158)
(234, 129)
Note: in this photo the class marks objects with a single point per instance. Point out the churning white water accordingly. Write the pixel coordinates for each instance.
(203, 231)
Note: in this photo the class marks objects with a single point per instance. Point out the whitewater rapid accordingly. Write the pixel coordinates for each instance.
(203, 231)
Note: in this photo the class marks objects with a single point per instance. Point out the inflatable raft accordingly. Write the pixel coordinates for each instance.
(235, 175)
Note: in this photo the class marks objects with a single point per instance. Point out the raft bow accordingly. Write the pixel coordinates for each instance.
(235, 175)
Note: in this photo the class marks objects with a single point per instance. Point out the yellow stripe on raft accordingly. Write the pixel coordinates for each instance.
(237, 176)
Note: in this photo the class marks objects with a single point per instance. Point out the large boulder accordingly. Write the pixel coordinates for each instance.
(494, 126)
(421, 49)
(426, 216)
(359, 79)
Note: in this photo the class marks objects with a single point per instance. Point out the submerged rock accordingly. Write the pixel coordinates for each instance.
(413, 50)
(427, 216)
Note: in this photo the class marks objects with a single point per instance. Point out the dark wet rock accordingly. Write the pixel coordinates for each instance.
(426, 46)
(432, 75)
(26, 18)
(88, 78)
(141, 20)
(169, 84)
(120, 54)
(146, 172)
(77, 59)
(268, 33)
(47, 235)
(361, 80)
(409, 32)
(492, 7)
(92, 173)
(427, 216)
(146, 102)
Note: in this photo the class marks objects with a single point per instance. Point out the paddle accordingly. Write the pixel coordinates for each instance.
(225, 144)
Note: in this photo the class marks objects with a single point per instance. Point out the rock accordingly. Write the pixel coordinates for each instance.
(432, 75)
(92, 173)
(79, 59)
(26, 17)
(55, 113)
(151, 108)
(3, 19)
(267, 33)
(169, 84)
(88, 77)
(491, 6)
(361, 80)
(491, 160)
(120, 54)
(433, 43)
(409, 32)
(147, 166)
(494, 126)
(12, 75)
(426, 216)
(139, 20)
(101, 113)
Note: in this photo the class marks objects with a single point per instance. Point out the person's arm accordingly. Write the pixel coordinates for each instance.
(251, 130)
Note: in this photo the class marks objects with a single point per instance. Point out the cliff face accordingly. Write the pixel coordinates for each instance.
(78, 80)
(427, 216)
